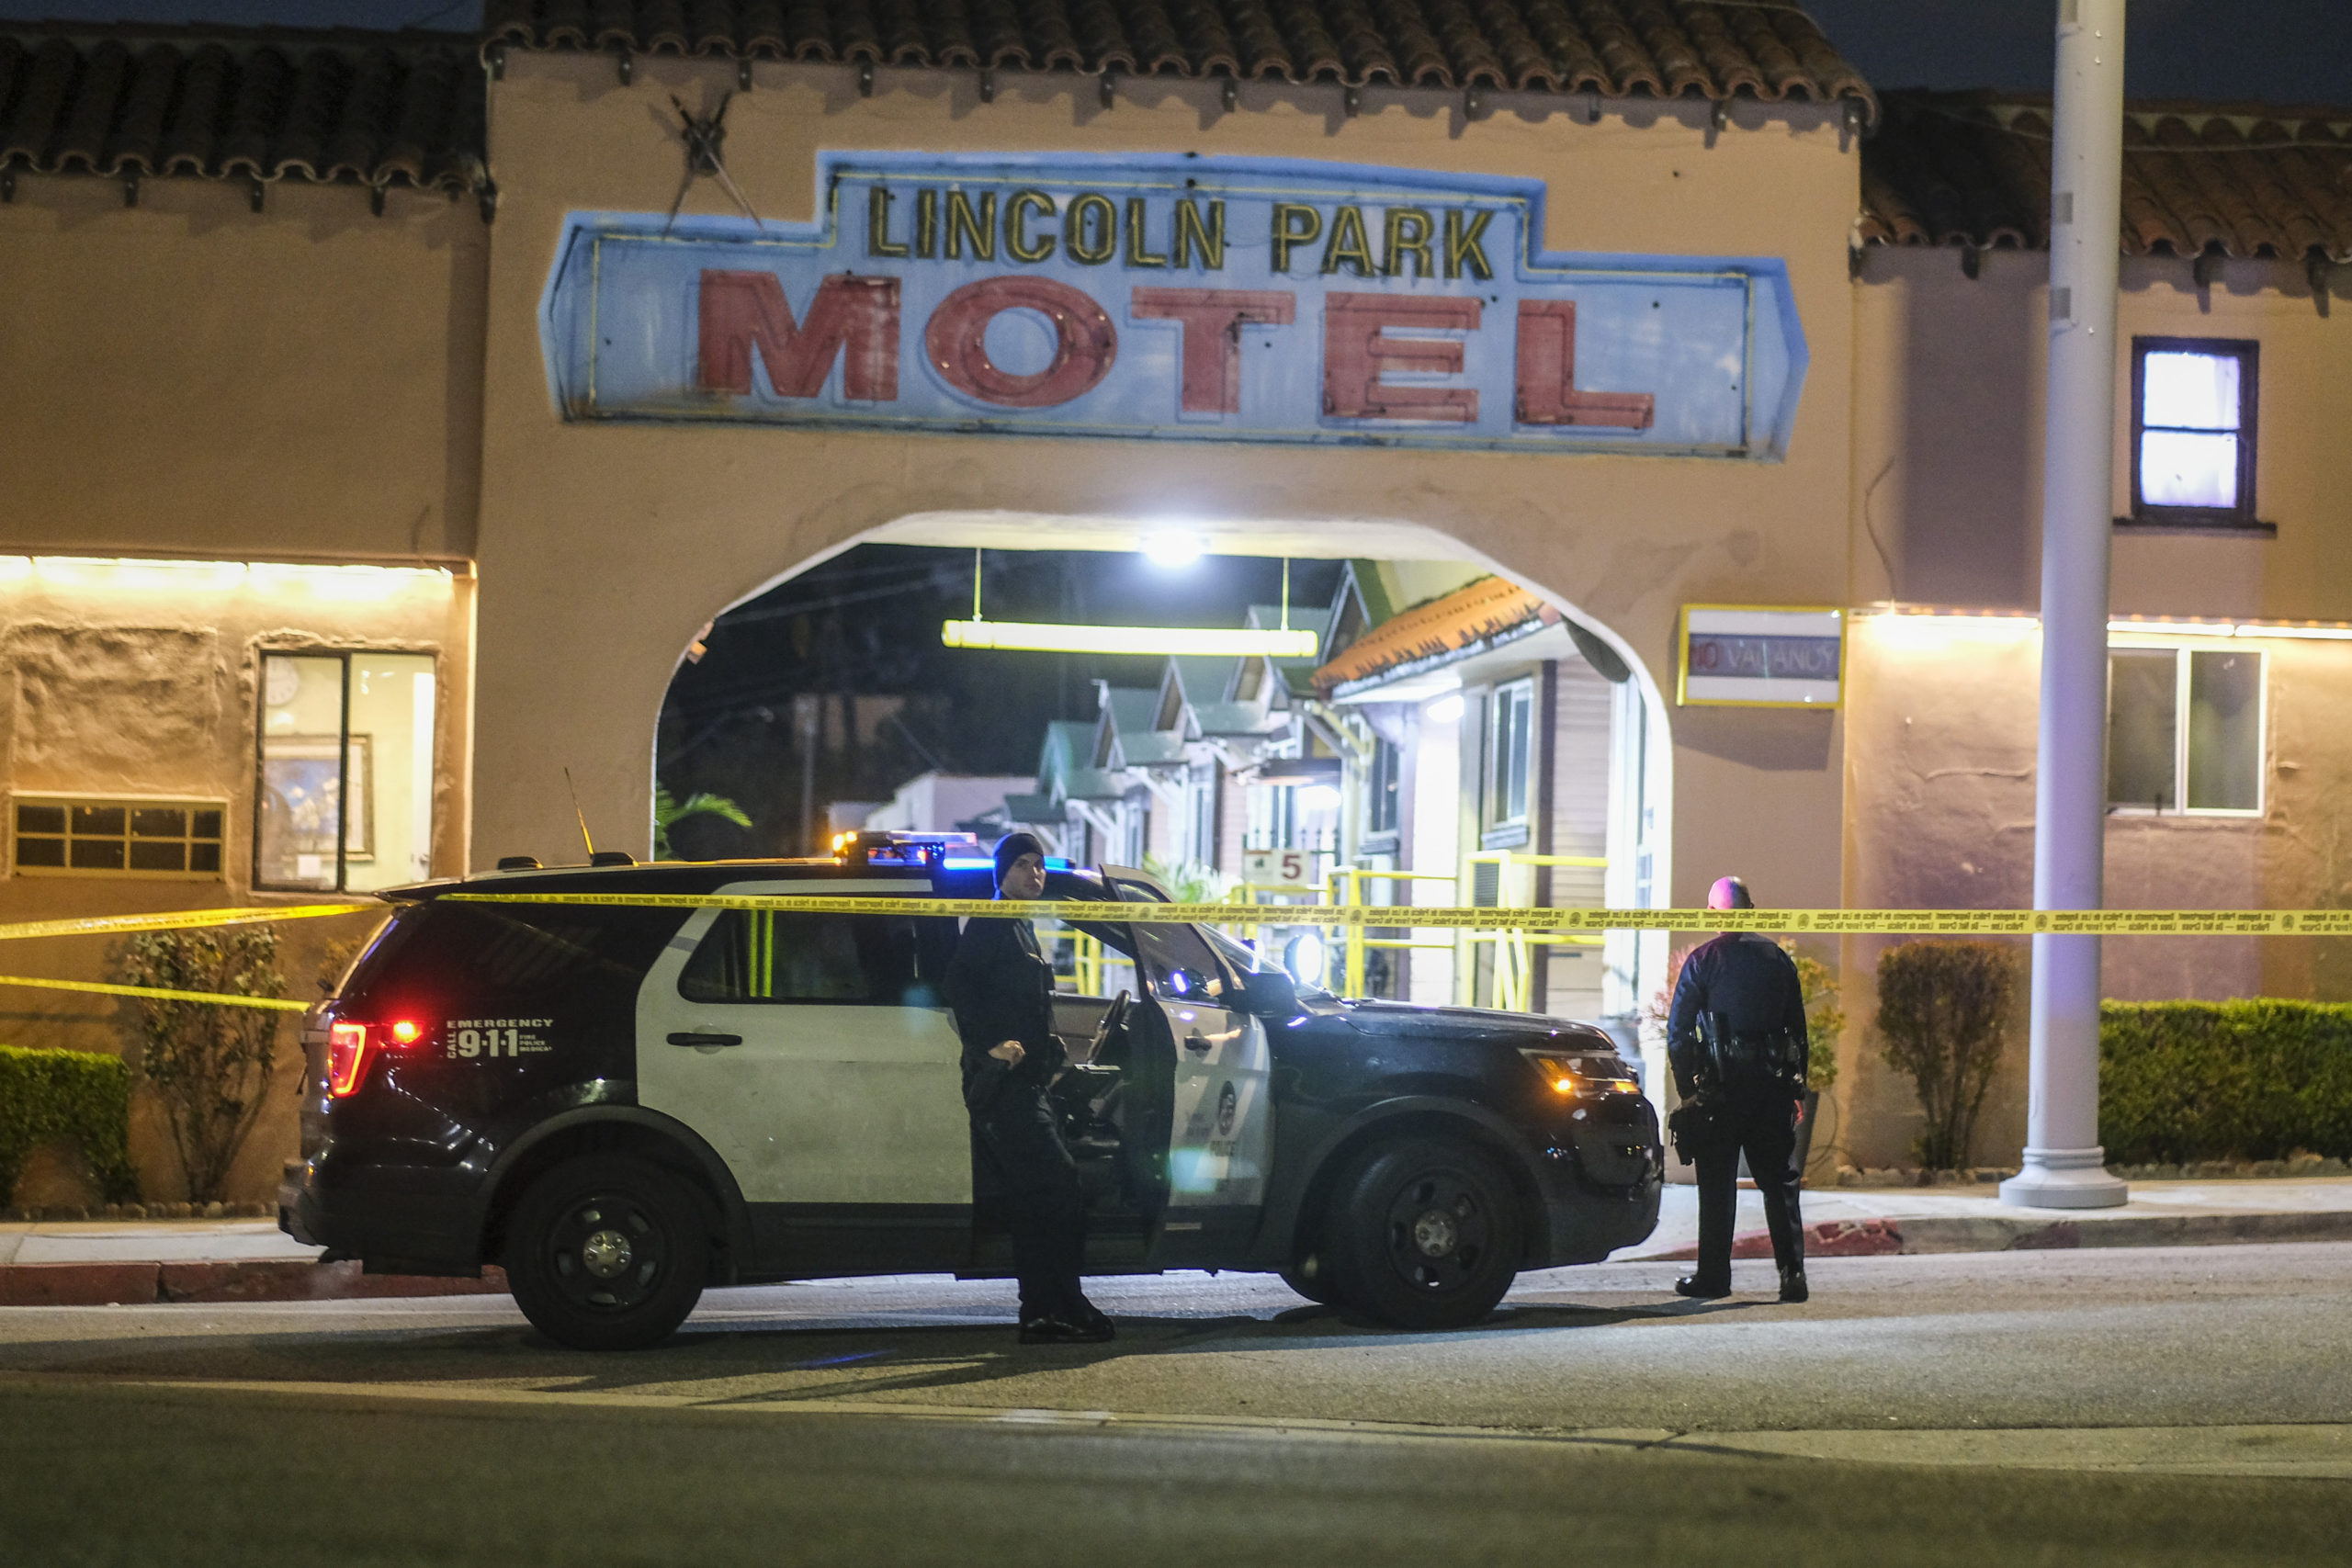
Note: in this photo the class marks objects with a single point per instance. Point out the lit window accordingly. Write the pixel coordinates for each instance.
(70, 835)
(344, 771)
(1384, 793)
(2184, 730)
(1511, 731)
(2192, 430)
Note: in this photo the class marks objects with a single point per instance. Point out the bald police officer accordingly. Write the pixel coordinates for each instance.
(1735, 1040)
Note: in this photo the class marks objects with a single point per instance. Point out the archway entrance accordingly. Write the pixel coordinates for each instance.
(1456, 734)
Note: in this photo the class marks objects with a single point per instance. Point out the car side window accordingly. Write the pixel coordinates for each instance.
(1181, 966)
(785, 956)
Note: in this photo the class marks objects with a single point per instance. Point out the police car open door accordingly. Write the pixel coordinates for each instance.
(1221, 1129)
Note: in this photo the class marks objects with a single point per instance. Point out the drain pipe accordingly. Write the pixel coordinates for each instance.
(2063, 1167)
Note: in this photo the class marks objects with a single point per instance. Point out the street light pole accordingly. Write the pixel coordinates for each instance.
(2064, 1166)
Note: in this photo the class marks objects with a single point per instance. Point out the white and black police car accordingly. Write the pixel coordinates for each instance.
(626, 1103)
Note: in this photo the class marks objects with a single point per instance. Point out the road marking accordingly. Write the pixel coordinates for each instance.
(2311, 1452)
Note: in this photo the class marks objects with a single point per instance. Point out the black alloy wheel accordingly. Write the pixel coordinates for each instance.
(1423, 1234)
(606, 1253)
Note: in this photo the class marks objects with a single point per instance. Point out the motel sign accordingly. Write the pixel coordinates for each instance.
(1227, 299)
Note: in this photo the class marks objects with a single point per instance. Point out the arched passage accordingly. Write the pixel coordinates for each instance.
(1598, 773)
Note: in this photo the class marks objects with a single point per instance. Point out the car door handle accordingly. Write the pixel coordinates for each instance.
(1193, 1042)
(689, 1038)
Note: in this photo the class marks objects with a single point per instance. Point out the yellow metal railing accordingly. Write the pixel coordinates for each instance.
(1514, 947)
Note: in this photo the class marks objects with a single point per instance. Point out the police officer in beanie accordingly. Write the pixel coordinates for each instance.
(1735, 1040)
(1001, 989)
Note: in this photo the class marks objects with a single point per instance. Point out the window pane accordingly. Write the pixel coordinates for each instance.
(2224, 732)
(149, 854)
(1179, 964)
(301, 771)
(98, 854)
(2188, 470)
(388, 839)
(40, 819)
(159, 822)
(2140, 726)
(40, 852)
(2198, 391)
(762, 955)
(106, 820)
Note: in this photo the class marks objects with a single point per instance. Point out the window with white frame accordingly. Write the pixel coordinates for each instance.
(1510, 734)
(2185, 730)
(82, 835)
(2192, 430)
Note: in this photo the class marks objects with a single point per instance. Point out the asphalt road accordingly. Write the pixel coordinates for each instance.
(2185, 1405)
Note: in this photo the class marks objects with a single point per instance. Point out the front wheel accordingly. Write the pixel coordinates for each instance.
(606, 1253)
(1423, 1234)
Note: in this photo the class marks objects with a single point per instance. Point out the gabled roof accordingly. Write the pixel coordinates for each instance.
(1973, 169)
(1703, 49)
(1457, 623)
(371, 109)
(1068, 746)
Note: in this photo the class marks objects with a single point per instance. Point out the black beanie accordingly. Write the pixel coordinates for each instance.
(1011, 848)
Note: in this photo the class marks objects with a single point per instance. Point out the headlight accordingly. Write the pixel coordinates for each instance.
(1305, 958)
(1571, 1076)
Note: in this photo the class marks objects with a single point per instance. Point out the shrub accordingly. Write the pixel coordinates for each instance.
(1943, 1016)
(74, 1097)
(209, 1065)
(2254, 1079)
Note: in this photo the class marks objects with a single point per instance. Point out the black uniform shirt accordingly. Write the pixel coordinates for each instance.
(1001, 989)
(1747, 982)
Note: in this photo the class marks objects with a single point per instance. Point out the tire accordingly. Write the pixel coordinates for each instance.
(606, 1253)
(1422, 1235)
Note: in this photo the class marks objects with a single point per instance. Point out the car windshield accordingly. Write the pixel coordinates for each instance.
(1246, 960)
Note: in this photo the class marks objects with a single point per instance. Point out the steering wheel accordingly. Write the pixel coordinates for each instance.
(1113, 1027)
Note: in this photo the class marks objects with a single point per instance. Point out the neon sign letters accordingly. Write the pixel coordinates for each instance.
(1223, 300)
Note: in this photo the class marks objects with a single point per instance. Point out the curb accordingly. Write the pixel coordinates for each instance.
(141, 1284)
(1872, 1239)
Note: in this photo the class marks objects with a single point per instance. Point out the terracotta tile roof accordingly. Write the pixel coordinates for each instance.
(2241, 180)
(375, 110)
(1621, 48)
(1445, 625)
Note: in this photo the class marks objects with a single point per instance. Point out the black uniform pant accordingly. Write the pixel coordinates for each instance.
(1765, 1129)
(1020, 1138)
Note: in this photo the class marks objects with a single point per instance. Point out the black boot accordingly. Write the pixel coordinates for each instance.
(1701, 1289)
(1792, 1286)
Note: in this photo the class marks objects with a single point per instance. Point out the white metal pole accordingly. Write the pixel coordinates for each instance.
(2064, 1166)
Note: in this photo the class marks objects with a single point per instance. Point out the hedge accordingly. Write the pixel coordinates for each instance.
(2258, 1079)
(78, 1097)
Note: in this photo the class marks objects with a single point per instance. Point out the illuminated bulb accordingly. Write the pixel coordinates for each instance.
(405, 1031)
(1445, 710)
(1171, 551)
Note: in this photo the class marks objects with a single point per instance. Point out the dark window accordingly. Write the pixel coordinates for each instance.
(1382, 799)
(2183, 730)
(476, 957)
(770, 955)
(1179, 965)
(145, 837)
(2193, 431)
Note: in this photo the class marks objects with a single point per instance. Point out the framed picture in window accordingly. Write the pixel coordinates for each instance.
(301, 788)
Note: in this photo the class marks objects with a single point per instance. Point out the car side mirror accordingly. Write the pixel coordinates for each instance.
(1269, 992)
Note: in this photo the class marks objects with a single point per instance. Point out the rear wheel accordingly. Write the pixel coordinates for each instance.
(606, 1253)
(1423, 1234)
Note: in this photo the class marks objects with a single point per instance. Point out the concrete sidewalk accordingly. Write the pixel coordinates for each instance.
(1849, 1222)
(111, 1262)
(102, 1262)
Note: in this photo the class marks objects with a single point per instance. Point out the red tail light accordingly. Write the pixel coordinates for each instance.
(350, 1044)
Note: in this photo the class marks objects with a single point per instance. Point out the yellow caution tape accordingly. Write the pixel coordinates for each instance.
(1871, 922)
(178, 919)
(224, 998)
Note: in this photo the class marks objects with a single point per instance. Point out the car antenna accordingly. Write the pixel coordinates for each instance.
(581, 815)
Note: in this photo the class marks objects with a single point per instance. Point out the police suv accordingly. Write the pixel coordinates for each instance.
(623, 1103)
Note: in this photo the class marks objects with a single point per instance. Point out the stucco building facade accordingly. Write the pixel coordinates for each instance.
(308, 308)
